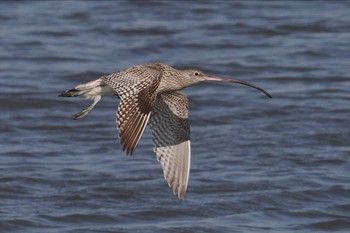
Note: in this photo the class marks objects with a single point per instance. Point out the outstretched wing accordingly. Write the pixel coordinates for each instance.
(136, 88)
(171, 136)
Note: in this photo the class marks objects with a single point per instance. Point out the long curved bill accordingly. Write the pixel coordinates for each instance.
(218, 79)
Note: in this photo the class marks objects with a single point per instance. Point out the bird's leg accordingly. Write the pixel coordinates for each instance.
(85, 111)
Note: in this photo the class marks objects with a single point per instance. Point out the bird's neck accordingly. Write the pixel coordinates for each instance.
(172, 80)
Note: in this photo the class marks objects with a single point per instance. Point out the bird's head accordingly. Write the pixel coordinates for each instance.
(193, 76)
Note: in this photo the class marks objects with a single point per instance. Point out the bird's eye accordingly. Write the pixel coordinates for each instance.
(196, 73)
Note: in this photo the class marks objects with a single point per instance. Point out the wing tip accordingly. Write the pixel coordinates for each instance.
(181, 194)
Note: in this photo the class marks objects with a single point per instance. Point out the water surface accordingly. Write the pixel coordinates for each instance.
(258, 164)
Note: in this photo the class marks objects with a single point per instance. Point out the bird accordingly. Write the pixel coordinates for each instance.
(150, 94)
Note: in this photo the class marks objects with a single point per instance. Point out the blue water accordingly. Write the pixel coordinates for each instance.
(258, 164)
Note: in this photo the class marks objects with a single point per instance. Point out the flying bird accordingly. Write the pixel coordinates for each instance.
(149, 93)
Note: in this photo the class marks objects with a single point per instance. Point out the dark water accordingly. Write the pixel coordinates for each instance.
(258, 164)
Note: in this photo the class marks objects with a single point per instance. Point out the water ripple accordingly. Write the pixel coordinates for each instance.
(258, 164)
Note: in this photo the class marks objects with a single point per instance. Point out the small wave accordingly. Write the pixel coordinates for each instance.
(304, 28)
(52, 33)
(77, 16)
(145, 31)
(342, 224)
(76, 218)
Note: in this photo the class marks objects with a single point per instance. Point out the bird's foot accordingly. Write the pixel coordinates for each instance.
(83, 113)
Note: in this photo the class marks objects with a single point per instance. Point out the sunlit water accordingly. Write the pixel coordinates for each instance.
(258, 164)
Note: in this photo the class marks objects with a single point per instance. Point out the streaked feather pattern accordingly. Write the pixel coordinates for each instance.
(171, 136)
(136, 90)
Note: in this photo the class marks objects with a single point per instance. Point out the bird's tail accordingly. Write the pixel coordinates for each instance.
(93, 90)
(87, 90)
(70, 93)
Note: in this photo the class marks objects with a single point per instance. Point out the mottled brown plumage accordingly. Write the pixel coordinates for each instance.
(171, 137)
(149, 92)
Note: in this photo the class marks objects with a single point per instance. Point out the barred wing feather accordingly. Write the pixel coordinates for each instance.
(136, 88)
(171, 136)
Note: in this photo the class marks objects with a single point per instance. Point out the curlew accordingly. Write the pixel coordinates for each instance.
(150, 93)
